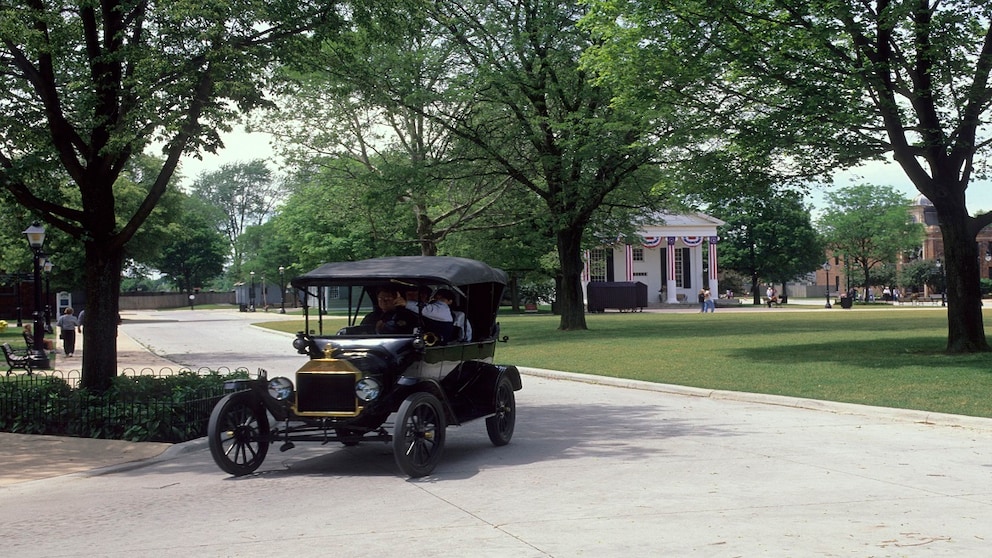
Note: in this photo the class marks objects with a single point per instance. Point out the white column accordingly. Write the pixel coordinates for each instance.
(696, 255)
(670, 272)
(713, 271)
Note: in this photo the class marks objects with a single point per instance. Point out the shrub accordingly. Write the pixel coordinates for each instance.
(986, 286)
(166, 408)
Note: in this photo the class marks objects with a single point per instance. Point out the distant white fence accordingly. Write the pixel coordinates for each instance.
(153, 301)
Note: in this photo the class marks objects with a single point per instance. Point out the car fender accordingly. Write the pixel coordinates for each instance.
(472, 386)
(407, 385)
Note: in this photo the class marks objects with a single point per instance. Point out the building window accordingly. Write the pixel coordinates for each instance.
(597, 265)
(681, 265)
(637, 253)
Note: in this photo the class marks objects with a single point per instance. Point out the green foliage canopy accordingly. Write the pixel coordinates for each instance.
(87, 86)
(869, 226)
(768, 238)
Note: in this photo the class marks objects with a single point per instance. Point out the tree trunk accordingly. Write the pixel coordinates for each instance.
(103, 280)
(867, 275)
(965, 329)
(573, 315)
(425, 231)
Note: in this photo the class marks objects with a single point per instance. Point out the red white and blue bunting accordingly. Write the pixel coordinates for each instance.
(692, 241)
(652, 241)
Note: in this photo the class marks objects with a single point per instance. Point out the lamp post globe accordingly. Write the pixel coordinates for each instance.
(826, 268)
(36, 239)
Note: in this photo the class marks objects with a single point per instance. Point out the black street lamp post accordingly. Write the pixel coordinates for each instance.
(943, 281)
(282, 290)
(36, 239)
(826, 267)
(18, 280)
(48, 294)
(251, 292)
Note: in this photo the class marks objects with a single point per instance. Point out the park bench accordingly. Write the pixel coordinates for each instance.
(16, 361)
(769, 303)
(913, 299)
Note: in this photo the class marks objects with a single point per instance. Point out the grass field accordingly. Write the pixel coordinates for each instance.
(885, 357)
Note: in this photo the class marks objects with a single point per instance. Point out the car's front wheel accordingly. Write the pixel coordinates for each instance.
(418, 436)
(500, 425)
(238, 433)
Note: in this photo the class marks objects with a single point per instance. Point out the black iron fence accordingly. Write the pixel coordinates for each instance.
(146, 406)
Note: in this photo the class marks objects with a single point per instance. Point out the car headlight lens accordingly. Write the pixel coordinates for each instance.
(368, 389)
(280, 388)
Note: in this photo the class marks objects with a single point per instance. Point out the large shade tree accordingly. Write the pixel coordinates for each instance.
(869, 227)
(827, 84)
(194, 251)
(357, 109)
(87, 86)
(532, 114)
(768, 237)
(243, 194)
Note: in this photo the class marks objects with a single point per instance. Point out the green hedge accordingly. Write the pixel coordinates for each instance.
(163, 408)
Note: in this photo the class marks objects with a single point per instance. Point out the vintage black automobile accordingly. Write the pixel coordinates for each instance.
(358, 378)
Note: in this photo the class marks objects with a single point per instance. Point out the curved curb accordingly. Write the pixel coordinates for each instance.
(901, 415)
(170, 453)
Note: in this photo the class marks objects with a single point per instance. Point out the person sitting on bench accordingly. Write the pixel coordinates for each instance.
(49, 344)
(772, 296)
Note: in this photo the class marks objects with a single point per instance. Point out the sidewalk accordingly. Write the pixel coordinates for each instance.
(27, 457)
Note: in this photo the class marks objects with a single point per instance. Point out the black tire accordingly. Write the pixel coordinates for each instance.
(418, 436)
(500, 425)
(238, 433)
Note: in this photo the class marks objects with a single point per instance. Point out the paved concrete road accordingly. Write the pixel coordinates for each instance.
(215, 339)
(593, 470)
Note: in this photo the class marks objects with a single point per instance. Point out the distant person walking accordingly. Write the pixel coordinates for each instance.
(67, 324)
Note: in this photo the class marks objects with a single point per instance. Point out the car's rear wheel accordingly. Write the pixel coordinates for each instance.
(500, 425)
(238, 433)
(418, 436)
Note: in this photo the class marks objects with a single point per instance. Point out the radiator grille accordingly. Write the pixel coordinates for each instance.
(326, 393)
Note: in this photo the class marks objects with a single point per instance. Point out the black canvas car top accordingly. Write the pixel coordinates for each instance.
(418, 269)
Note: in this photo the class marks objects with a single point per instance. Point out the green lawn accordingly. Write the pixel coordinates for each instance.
(888, 357)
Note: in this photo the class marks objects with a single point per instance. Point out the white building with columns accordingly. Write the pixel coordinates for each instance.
(675, 258)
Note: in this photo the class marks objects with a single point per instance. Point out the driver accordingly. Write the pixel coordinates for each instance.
(393, 314)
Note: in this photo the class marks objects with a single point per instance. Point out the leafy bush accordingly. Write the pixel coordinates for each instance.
(537, 291)
(986, 286)
(172, 408)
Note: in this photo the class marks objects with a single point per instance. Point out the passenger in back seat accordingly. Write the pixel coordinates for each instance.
(463, 328)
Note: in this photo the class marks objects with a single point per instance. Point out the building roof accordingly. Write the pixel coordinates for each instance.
(683, 224)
